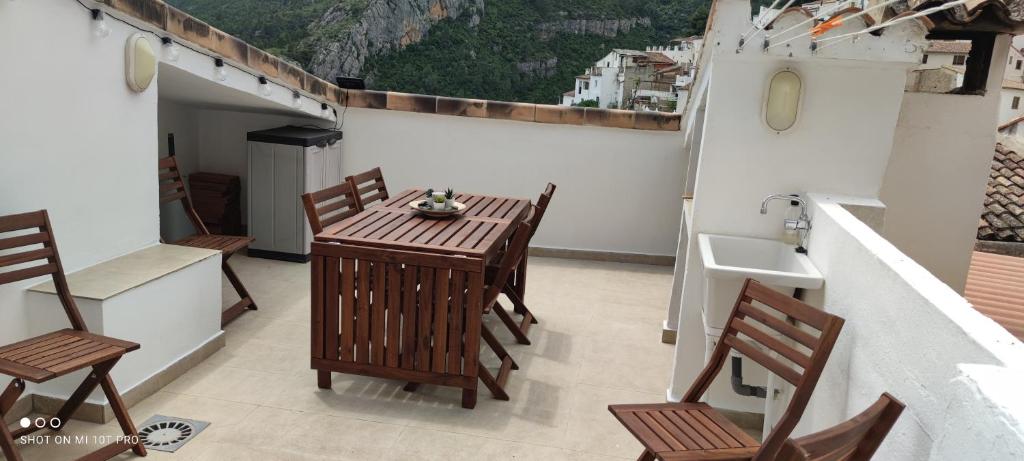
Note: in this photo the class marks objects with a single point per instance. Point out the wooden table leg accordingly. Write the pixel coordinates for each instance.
(469, 398)
(323, 379)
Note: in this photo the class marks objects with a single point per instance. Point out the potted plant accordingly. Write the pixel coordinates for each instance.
(449, 198)
(439, 201)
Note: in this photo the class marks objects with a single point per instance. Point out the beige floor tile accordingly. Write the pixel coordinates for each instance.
(597, 343)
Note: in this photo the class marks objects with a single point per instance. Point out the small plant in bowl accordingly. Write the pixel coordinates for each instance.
(439, 201)
(449, 198)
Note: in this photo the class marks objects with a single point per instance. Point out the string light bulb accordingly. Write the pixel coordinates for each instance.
(265, 89)
(220, 71)
(324, 109)
(296, 100)
(99, 24)
(171, 50)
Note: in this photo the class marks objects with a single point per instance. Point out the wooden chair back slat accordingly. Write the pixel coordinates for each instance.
(368, 182)
(856, 439)
(330, 205)
(172, 187)
(790, 331)
(541, 207)
(510, 259)
(752, 329)
(34, 254)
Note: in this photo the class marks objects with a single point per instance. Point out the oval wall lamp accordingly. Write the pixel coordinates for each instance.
(139, 63)
(783, 103)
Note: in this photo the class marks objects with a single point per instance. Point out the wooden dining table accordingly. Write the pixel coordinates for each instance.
(399, 295)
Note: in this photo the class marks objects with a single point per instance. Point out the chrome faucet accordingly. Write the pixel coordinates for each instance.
(801, 225)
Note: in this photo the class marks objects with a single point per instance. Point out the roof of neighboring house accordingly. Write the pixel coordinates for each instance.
(659, 58)
(583, 77)
(1013, 84)
(1010, 123)
(628, 52)
(1002, 219)
(569, 93)
(949, 46)
(995, 286)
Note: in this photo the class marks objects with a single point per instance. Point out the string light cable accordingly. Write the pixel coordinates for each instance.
(851, 35)
(838, 21)
(163, 39)
(821, 15)
(761, 29)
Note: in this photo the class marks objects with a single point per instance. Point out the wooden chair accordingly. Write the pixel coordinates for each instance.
(856, 439)
(56, 354)
(172, 188)
(513, 287)
(691, 430)
(507, 265)
(328, 206)
(369, 187)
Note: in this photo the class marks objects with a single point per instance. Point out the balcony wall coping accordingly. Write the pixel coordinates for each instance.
(182, 26)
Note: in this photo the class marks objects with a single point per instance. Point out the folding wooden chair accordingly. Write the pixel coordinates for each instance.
(692, 430)
(856, 439)
(369, 187)
(172, 188)
(514, 286)
(328, 206)
(56, 354)
(506, 266)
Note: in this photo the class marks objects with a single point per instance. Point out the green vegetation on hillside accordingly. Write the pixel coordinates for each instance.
(460, 59)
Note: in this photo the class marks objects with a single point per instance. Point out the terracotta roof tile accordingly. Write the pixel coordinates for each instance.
(1003, 216)
(949, 46)
(1013, 84)
(995, 286)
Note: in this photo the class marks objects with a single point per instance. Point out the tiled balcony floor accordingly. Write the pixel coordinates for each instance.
(597, 343)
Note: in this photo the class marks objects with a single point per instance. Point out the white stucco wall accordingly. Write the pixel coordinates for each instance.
(839, 144)
(618, 189)
(74, 140)
(906, 333)
(1006, 110)
(935, 182)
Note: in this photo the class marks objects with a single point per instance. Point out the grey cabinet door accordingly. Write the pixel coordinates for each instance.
(275, 184)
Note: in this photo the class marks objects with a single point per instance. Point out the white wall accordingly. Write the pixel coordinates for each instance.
(183, 122)
(937, 60)
(73, 139)
(906, 332)
(1006, 110)
(936, 179)
(618, 189)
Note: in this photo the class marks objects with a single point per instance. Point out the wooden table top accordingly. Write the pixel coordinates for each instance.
(483, 228)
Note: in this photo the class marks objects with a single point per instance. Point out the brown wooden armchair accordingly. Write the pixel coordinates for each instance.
(56, 354)
(515, 287)
(172, 188)
(691, 430)
(328, 206)
(369, 187)
(856, 439)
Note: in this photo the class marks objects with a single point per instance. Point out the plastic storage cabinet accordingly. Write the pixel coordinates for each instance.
(285, 163)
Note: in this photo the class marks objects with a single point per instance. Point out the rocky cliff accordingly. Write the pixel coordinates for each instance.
(357, 31)
(603, 27)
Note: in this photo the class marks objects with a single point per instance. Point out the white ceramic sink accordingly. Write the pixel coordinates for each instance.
(729, 260)
(770, 262)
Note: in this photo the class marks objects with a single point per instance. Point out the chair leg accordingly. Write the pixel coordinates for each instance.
(497, 347)
(7, 400)
(519, 306)
(78, 397)
(646, 456)
(244, 303)
(121, 413)
(492, 384)
(517, 330)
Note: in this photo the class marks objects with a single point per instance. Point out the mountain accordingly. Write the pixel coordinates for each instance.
(513, 50)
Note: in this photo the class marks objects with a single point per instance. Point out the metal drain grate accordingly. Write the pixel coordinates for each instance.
(164, 433)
